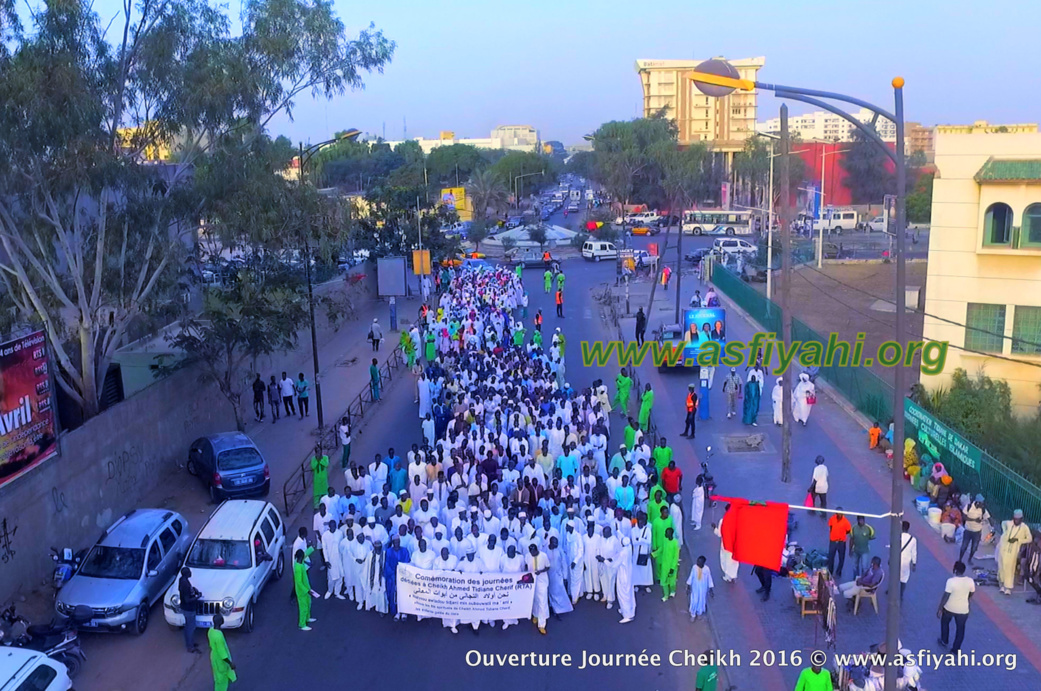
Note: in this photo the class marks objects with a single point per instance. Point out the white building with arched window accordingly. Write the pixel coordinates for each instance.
(983, 291)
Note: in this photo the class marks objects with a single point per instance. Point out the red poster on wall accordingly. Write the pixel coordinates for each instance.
(28, 431)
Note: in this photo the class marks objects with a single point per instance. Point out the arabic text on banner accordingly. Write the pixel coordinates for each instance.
(463, 596)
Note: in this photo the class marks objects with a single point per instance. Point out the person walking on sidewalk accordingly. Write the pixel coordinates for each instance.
(667, 556)
(646, 403)
(803, 398)
(838, 532)
(303, 391)
(343, 431)
(753, 391)
(954, 604)
(220, 657)
(273, 399)
(777, 399)
(641, 326)
(1014, 534)
(287, 389)
(908, 555)
(258, 398)
(375, 334)
(692, 408)
(819, 485)
(375, 380)
(319, 475)
(732, 389)
(189, 608)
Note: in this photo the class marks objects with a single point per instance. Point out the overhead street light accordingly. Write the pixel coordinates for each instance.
(718, 78)
(305, 156)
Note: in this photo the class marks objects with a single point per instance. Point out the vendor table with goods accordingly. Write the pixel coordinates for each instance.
(805, 588)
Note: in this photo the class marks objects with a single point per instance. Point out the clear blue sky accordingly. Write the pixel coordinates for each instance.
(566, 66)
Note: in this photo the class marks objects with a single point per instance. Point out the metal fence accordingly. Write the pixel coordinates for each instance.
(299, 481)
(1004, 488)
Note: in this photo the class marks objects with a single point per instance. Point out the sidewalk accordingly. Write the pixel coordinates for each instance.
(859, 481)
(344, 356)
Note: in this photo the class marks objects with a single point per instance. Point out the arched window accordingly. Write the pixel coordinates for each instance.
(1032, 225)
(997, 224)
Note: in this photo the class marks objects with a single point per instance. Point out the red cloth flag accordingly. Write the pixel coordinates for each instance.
(754, 533)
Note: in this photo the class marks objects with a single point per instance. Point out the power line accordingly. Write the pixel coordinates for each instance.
(924, 313)
(908, 333)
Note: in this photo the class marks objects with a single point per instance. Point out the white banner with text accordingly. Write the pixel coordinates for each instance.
(463, 596)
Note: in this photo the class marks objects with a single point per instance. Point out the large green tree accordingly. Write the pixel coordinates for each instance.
(486, 190)
(867, 174)
(624, 160)
(91, 234)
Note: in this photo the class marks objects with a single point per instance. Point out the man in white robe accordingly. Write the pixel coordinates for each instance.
(777, 397)
(538, 565)
(470, 564)
(697, 502)
(624, 582)
(446, 562)
(334, 567)
(374, 583)
(726, 559)
(423, 393)
(591, 572)
(908, 555)
(676, 513)
(801, 406)
(559, 603)
(643, 574)
(610, 549)
(511, 562)
(353, 551)
(699, 585)
(573, 547)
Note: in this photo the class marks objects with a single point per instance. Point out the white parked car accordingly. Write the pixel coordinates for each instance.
(877, 224)
(732, 246)
(644, 218)
(234, 555)
(22, 669)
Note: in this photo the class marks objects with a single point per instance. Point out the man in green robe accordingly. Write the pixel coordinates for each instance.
(319, 474)
(220, 656)
(646, 403)
(561, 341)
(662, 454)
(536, 338)
(408, 348)
(660, 521)
(560, 281)
(629, 434)
(547, 281)
(431, 349)
(623, 385)
(667, 557)
(519, 270)
(375, 379)
(302, 588)
(518, 336)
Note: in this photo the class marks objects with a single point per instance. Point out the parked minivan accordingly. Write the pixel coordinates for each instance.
(598, 249)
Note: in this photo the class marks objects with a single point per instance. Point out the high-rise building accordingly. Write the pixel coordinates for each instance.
(920, 139)
(724, 122)
(827, 126)
(984, 127)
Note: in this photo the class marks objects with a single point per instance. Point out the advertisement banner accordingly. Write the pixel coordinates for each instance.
(463, 596)
(28, 432)
(939, 440)
(455, 198)
(701, 326)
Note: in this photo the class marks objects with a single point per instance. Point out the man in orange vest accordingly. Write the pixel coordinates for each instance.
(538, 320)
(560, 303)
(692, 409)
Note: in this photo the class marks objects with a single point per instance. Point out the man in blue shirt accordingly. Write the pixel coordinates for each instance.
(567, 463)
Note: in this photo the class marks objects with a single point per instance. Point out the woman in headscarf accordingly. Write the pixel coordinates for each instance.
(911, 465)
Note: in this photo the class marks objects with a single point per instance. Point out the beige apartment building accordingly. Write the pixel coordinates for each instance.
(724, 122)
(984, 268)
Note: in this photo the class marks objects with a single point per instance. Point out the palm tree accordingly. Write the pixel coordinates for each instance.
(486, 189)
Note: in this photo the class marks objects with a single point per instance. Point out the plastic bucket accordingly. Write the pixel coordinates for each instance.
(922, 504)
(934, 516)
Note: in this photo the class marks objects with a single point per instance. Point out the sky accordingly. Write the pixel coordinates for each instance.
(566, 66)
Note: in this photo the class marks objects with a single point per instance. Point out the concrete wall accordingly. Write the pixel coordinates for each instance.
(962, 269)
(105, 468)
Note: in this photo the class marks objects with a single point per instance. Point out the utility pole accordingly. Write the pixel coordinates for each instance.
(786, 282)
(679, 267)
(310, 307)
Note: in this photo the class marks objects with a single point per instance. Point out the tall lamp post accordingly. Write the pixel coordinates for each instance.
(770, 210)
(718, 78)
(305, 156)
(516, 185)
(820, 230)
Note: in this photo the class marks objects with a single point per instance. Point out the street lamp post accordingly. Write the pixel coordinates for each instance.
(718, 78)
(820, 230)
(305, 155)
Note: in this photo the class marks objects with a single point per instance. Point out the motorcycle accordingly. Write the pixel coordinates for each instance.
(65, 564)
(58, 640)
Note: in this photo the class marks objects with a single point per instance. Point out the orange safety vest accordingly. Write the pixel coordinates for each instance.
(538, 318)
(545, 256)
(560, 298)
(690, 402)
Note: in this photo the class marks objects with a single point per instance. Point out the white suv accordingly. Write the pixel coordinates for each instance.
(644, 218)
(732, 246)
(234, 555)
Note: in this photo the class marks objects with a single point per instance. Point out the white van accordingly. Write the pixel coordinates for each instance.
(30, 670)
(598, 249)
(233, 557)
(841, 219)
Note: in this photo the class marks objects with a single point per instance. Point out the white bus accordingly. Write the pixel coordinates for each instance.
(717, 222)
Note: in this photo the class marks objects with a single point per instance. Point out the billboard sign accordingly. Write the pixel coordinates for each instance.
(28, 428)
(700, 326)
(455, 198)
